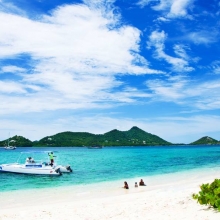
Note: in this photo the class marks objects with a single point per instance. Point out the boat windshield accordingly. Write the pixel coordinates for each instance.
(34, 157)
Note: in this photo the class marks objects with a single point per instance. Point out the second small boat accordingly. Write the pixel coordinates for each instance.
(95, 147)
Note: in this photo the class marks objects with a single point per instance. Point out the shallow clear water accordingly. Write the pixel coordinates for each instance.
(107, 164)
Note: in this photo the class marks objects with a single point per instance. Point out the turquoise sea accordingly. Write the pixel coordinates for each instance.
(107, 164)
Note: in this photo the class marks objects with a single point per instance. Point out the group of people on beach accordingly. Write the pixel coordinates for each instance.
(141, 183)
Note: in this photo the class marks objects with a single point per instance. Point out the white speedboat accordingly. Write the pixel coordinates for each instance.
(32, 166)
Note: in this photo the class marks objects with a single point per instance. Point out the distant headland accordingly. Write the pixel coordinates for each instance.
(133, 137)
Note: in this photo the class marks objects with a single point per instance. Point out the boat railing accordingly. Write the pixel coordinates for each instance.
(35, 162)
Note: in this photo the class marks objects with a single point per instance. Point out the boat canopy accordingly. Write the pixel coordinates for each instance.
(36, 152)
(33, 152)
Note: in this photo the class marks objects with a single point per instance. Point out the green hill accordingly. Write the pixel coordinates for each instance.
(134, 137)
(205, 141)
(17, 141)
(67, 138)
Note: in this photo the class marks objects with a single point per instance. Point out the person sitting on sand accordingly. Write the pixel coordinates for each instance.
(141, 183)
(135, 185)
(126, 185)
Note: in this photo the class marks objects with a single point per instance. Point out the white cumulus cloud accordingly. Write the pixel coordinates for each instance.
(170, 8)
(74, 54)
(180, 63)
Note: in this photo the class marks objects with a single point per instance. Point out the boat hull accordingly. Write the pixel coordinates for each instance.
(65, 169)
(37, 170)
(95, 147)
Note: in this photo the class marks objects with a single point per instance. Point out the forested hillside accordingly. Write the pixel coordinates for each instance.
(134, 137)
(17, 141)
(205, 141)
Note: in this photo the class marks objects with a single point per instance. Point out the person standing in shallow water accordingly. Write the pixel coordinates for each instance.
(51, 156)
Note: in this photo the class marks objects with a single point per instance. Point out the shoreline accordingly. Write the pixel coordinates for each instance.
(151, 179)
(166, 196)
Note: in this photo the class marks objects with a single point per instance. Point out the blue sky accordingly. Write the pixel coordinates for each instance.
(98, 65)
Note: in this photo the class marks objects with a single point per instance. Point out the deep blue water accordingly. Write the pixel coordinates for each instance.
(109, 163)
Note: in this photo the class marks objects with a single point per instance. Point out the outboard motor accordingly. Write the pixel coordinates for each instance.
(58, 171)
(69, 168)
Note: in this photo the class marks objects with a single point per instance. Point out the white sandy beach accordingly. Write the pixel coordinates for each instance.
(166, 196)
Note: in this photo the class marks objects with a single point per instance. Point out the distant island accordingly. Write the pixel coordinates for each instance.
(133, 137)
(205, 140)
